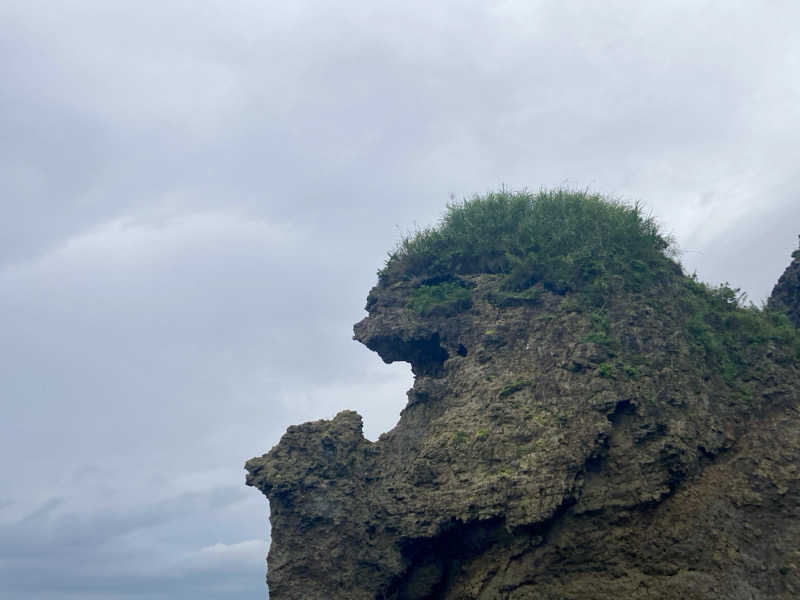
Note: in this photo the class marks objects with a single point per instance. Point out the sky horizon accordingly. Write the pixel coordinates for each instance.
(198, 196)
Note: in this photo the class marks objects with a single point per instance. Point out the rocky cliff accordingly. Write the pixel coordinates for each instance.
(574, 430)
(786, 293)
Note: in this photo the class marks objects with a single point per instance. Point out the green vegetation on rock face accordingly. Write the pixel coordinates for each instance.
(560, 359)
(443, 299)
(601, 333)
(569, 241)
(734, 339)
(597, 253)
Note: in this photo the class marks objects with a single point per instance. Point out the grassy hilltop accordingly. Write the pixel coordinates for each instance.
(598, 251)
(585, 421)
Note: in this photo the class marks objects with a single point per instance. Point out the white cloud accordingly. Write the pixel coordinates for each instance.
(138, 242)
(238, 549)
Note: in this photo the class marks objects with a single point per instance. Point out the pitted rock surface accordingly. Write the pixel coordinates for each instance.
(532, 461)
(786, 293)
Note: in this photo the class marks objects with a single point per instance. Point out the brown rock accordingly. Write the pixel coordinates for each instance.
(786, 293)
(537, 458)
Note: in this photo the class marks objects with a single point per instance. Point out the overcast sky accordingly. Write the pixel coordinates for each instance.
(197, 194)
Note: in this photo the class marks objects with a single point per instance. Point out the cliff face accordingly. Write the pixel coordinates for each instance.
(786, 293)
(550, 448)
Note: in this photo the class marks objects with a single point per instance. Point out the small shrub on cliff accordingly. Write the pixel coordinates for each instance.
(443, 299)
(567, 240)
(600, 333)
(731, 337)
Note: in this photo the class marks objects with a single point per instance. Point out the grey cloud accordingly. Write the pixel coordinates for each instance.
(71, 552)
(42, 531)
(752, 254)
(197, 199)
(42, 511)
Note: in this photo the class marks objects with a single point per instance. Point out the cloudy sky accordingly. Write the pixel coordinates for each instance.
(197, 195)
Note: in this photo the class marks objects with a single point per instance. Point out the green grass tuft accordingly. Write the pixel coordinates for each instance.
(732, 337)
(596, 250)
(600, 333)
(441, 299)
(567, 240)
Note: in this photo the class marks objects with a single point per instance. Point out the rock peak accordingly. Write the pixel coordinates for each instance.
(589, 432)
(786, 293)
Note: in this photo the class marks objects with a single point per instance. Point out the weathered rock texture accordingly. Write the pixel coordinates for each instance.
(548, 453)
(786, 293)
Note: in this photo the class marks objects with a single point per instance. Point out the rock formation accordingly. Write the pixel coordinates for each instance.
(556, 444)
(786, 293)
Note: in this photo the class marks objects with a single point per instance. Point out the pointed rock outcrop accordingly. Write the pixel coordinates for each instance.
(634, 437)
(786, 293)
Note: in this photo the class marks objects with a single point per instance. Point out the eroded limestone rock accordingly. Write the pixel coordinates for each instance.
(786, 293)
(537, 458)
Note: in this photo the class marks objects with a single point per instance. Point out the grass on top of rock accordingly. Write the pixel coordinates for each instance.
(592, 250)
(569, 241)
